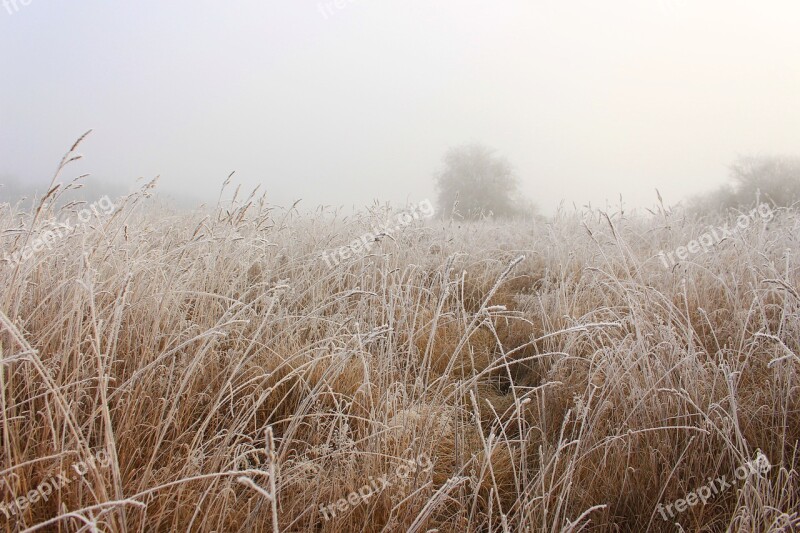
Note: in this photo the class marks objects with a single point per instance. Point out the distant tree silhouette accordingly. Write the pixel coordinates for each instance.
(775, 179)
(475, 182)
(772, 179)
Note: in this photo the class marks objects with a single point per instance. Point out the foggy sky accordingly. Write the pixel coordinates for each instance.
(587, 99)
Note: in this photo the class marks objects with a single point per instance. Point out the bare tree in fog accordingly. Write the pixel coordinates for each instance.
(476, 182)
(776, 179)
(773, 179)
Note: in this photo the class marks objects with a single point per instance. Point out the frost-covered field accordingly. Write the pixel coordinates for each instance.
(210, 372)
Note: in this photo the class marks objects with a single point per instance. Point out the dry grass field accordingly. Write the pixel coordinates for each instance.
(457, 377)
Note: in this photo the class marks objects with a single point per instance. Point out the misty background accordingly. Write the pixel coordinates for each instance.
(341, 103)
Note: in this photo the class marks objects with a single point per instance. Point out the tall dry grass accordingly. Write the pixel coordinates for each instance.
(557, 375)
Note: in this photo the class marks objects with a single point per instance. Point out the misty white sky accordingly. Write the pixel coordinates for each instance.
(587, 99)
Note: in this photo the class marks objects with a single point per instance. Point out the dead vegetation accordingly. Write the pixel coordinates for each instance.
(558, 376)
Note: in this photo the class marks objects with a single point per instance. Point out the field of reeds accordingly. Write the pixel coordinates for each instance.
(551, 375)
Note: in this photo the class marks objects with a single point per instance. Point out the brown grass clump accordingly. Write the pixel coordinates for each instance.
(551, 378)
